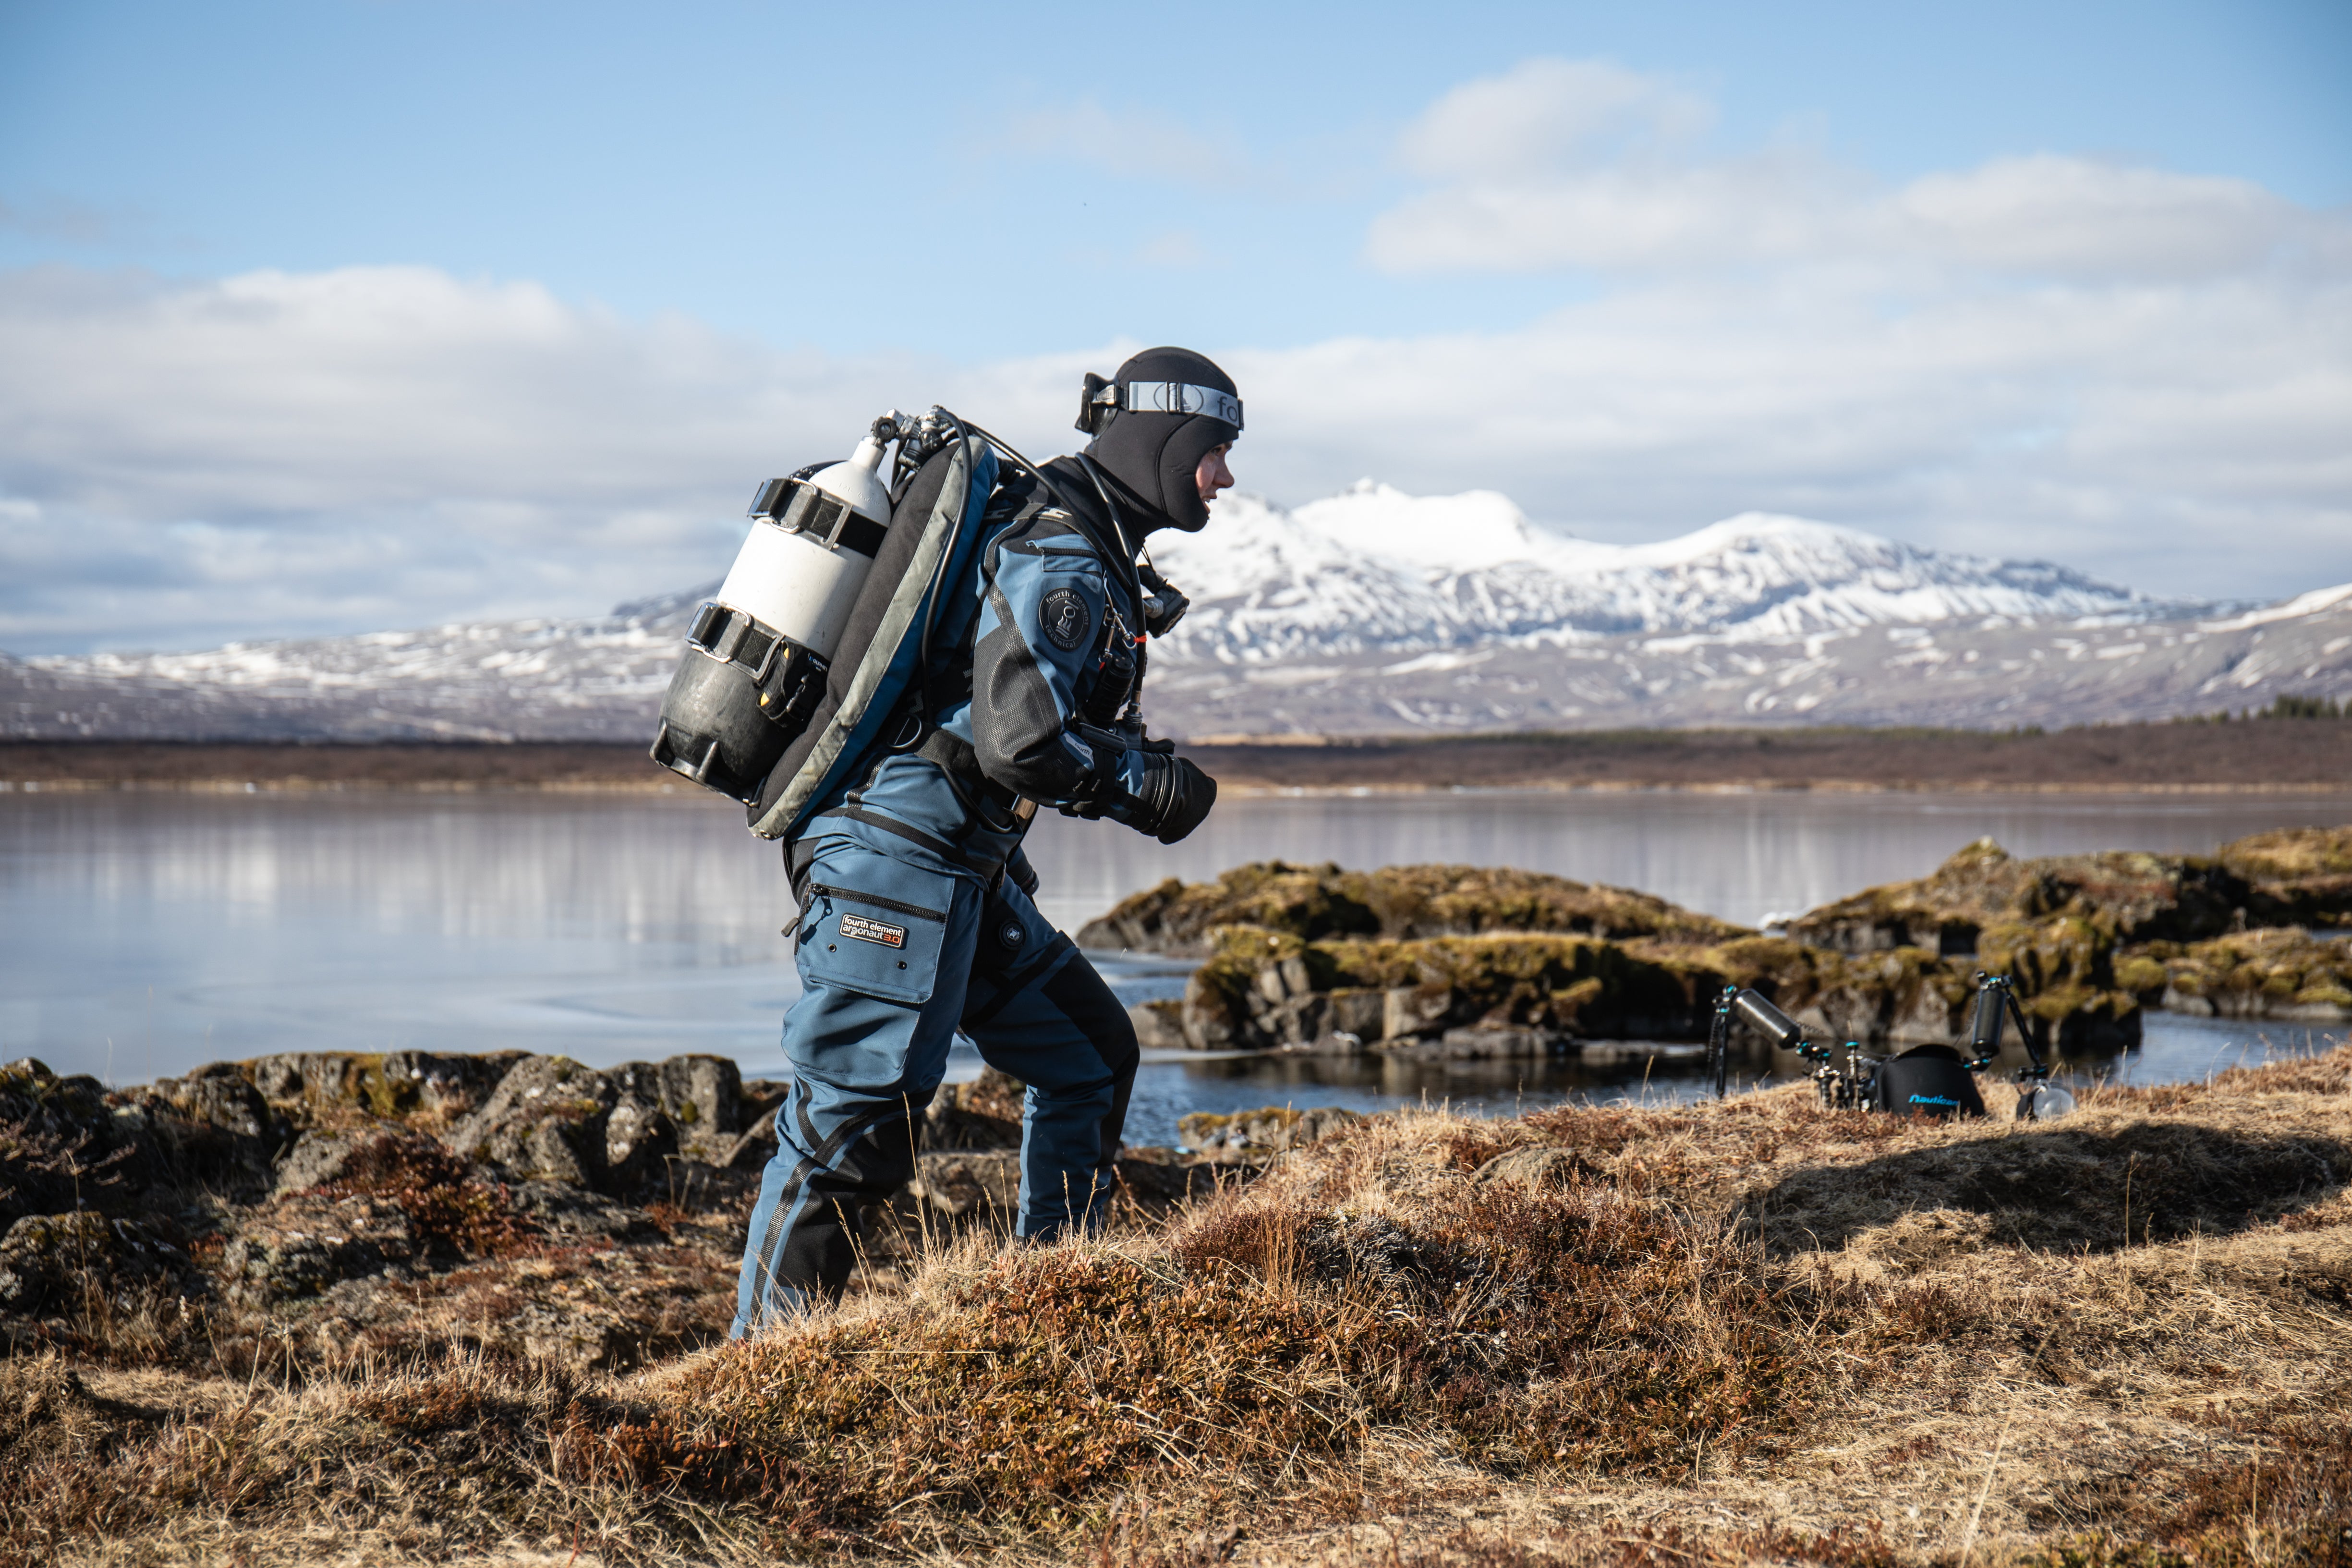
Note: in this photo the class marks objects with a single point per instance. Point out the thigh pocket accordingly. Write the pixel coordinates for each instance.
(863, 941)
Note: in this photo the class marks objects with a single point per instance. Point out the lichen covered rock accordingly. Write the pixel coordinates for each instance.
(984, 1112)
(2142, 897)
(1509, 996)
(1398, 902)
(2295, 875)
(1270, 1129)
(2286, 972)
(45, 1260)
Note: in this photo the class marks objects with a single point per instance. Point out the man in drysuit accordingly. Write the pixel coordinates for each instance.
(916, 919)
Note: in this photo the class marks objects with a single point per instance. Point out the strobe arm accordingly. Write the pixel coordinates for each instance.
(1718, 1041)
(1997, 1005)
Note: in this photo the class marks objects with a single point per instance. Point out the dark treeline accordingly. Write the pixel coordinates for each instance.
(2294, 742)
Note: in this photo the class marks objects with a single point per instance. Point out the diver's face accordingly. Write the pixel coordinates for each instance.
(1212, 475)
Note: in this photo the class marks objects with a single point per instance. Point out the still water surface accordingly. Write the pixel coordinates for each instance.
(143, 934)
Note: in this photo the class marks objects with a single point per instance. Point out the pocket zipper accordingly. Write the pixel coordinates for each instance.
(877, 902)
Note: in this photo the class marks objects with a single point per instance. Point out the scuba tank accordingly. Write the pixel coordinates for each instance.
(754, 665)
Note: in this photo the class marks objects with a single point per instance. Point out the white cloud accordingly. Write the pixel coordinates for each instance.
(373, 446)
(2047, 214)
(2184, 440)
(1565, 163)
(1543, 115)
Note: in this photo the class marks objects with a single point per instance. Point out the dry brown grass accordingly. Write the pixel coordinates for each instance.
(1715, 1334)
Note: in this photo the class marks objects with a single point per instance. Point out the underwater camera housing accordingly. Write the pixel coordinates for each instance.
(1926, 1081)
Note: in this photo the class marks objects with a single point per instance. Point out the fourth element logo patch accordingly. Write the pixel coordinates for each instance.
(1065, 618)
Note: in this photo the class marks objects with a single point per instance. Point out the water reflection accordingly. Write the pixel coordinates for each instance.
(2173, 1049)
(143, 934)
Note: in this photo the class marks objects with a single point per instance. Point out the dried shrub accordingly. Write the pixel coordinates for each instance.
(2286, 1495)
(438, 1192)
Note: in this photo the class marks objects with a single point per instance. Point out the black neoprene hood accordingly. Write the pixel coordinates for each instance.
(1154, 456)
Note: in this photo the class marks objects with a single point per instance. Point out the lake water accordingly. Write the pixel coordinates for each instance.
(141, 935)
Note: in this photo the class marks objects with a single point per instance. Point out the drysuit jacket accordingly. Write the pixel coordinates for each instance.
(916, 921)
(1051, 644)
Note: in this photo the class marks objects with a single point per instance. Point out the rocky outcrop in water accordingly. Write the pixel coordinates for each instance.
(1451, 962)
(1473, 998)
(2295, 875)
(1397, 902)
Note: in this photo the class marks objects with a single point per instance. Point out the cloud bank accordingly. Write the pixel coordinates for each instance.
(2142, 373)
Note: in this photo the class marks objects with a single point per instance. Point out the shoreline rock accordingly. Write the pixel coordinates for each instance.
(1397, 902)
(1318, 961)
(529, 1204)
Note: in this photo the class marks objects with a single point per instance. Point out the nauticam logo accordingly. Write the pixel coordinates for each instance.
(1935, 1099)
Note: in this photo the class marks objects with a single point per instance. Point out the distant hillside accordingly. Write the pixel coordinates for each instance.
(1369, 612)
(1373, 570)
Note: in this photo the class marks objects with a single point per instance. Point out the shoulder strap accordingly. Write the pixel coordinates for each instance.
(933, 536)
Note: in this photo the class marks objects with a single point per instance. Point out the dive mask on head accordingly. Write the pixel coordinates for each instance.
(1100, 396)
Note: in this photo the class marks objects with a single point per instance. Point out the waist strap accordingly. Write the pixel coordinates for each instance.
(953, 754)
(960, 760)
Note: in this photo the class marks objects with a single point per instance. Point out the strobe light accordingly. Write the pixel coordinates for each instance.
(755, 659)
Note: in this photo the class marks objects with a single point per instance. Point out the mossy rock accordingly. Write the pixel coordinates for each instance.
(1317, 903)
(2140, 897)
(2283, 973)
(2297, 876)
(1262, 989)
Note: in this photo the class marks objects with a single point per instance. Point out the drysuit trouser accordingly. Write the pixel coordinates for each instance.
(894, 958)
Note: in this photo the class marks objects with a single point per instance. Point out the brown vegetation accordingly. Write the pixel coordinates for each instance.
(1702, 1335)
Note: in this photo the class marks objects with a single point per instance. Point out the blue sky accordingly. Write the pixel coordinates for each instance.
(321, 317)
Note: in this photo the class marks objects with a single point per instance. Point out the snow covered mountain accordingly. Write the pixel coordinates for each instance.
(1370, 612)
(1374, 569)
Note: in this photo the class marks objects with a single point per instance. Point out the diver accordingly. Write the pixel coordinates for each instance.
(916, 917)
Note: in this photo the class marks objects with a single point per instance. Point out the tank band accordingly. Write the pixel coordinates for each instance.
(790, 678)
(798, 507)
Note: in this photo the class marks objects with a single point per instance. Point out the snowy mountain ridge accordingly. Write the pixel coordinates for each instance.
(1367, 612)
(1374, 569)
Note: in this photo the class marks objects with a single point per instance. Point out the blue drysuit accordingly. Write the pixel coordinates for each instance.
(916, 917)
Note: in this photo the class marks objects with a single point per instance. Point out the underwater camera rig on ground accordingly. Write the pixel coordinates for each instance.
(1926, 1081)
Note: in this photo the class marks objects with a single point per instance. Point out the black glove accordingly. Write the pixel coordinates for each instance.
(1173, 797)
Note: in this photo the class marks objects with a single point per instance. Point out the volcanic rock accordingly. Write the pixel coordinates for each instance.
(2285, 974)
(2141, 897)
(545, 1121)
(968, 1184)
(984, 1112)
(2298, 876)
(1268, 1131)
(42, 1258)
(1315, 903)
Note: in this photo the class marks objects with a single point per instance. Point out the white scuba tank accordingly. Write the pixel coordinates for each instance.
(754, 665)
(800, 568)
